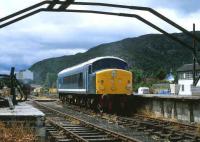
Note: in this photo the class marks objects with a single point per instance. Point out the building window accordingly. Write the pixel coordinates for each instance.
(181, 75)
(188, 75)
(183, 88)
(197, 74)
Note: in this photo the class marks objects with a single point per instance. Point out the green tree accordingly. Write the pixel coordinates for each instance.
(137, 74)
(50, 80)
(161, 74)
(138, 78)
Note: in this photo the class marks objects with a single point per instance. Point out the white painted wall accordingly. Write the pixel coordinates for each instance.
(186, 84)
(27, 74)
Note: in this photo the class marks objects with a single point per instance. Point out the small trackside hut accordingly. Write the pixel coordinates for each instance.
(101, 83)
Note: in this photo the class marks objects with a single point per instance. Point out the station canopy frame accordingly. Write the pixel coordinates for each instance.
(64, 4)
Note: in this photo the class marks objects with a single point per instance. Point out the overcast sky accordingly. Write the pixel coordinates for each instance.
(56, 34)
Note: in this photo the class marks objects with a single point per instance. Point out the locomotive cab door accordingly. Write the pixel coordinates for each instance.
(87, 72)
(91, 81)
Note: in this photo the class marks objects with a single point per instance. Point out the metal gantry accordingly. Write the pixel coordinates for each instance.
(13, 84)
(64, 4)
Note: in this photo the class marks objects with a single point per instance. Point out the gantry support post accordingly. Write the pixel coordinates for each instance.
(194, 59)
(12, 85)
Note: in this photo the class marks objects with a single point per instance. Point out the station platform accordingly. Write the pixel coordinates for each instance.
(176, 107)
(21, 110)
(25, 113)
(161, 96)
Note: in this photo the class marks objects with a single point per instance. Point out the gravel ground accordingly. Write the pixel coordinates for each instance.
(104, 123)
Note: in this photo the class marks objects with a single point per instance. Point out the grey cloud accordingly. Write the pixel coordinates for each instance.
(186, 6)
(51, 34)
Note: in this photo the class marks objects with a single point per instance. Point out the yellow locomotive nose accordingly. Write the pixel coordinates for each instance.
(114, 81)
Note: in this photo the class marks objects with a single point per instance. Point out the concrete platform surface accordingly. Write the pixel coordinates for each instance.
(182, 97)
(22, 109)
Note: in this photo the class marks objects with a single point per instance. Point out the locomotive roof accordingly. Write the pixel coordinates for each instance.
(89, 62)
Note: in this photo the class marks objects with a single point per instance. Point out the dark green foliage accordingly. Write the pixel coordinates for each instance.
(161, 74)
(50, 80)
(137, 74)
(149, 53)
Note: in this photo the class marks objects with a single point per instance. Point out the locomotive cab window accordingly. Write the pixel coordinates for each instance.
(109, 64)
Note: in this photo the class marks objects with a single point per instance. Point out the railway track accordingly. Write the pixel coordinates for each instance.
(161, 130)
(165, 130)
(63, 127)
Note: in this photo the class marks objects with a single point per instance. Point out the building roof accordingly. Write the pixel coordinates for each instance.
(80, 66)
(187, 67)
(170, 77)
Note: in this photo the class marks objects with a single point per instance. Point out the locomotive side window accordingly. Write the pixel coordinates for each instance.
(109, 64)
(73, 82)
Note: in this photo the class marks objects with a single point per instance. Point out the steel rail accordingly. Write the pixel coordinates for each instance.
(112, 133)
(164, 120)
(73, 135)
(153, 125)
(160, 124)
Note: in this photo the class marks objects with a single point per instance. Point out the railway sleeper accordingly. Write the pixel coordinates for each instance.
(88, 131)
(103, 140)
(141, 128)
(56, 137)
(69, 125)
(78, 130)
(75, 128)
(56, 134)
(133, 126)
(175, 138)
(94, 136)
(64, 140)
(191, 137)
(90, 134)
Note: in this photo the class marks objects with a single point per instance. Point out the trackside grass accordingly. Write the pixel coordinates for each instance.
(16, 132)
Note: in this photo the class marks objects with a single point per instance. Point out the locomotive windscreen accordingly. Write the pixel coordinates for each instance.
(109, 64)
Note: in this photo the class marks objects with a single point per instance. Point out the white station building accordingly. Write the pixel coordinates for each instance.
(25, 75)
(185, 78)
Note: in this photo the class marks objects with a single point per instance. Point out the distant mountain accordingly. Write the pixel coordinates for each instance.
(148, 52)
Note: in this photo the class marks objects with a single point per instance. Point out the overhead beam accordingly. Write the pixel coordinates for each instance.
(131, 16)
(24, 10)
(105, 13)
(66, 4)
(154, 12)
(52, 4)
